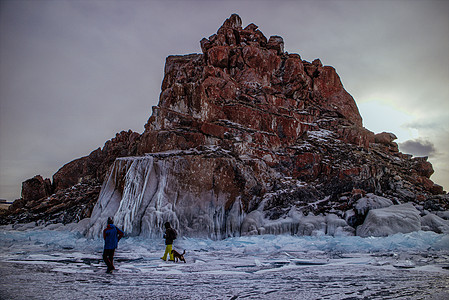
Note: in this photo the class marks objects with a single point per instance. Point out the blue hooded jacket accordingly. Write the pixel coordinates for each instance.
(111, 236)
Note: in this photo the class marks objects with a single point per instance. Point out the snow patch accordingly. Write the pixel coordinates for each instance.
(321, 135)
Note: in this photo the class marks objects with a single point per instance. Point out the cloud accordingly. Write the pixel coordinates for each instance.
(438, 122)
(418, 147)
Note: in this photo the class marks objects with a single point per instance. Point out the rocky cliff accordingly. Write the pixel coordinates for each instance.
(246, 139)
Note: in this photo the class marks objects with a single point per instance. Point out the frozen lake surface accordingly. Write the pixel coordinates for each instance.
(65, 265)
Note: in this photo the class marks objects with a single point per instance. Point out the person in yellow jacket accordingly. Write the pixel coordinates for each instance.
(169, 236)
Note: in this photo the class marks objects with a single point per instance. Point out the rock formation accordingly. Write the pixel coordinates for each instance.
(36, 188)
(246, 139)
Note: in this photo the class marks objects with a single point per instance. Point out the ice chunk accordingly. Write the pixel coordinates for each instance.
(253, 224)
(443, 214)
(371, 201)
(402, 218)
(434, 223)
(25, 226)
(295, 223)
(311, 225)
(337, 226)
(80, 227)
(17, 245)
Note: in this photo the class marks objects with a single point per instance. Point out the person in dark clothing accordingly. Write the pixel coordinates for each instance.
(169, 236)
(112, 236)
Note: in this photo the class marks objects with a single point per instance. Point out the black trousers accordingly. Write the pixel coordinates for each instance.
(108, 257)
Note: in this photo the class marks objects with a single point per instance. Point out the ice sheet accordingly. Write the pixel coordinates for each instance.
(51, 264)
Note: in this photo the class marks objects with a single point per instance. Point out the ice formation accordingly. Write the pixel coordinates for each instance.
(296, 224)
(142, 193)
(371, 201)
(431, 222)
(402, 218)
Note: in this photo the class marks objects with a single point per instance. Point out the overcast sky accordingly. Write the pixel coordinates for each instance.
(73, 73)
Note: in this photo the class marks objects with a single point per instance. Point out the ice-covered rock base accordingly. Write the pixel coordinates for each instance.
(142, 193)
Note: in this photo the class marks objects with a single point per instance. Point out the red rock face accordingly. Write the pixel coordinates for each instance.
(255, 86)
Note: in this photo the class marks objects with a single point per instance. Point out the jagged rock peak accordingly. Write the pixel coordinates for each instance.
(232, 34)
(234, 22)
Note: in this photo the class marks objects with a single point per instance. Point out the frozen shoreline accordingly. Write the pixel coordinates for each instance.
(19, 281)
(43, 264)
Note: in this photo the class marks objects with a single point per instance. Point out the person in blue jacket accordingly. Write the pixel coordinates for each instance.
(111, 237)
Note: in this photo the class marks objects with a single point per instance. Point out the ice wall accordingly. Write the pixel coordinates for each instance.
(142, 193)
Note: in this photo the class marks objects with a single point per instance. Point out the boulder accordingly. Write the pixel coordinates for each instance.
(422, 166)
(371, 201)
(36, 188)
(431, 222)
(403, 218)
(276, 43)
(386, 139)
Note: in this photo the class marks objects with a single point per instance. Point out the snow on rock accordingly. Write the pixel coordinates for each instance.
(434, 223)
(371, 201)
(403, 218)
(253, 224)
